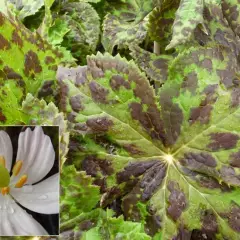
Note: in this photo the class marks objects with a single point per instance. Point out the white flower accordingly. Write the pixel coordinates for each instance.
(35, 158)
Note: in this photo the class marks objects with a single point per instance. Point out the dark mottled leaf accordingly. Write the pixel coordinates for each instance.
(161, 21)
(141, 147)
(231, 11)
(156, 67)
(126, 24)
(28, 61)
(188, 16)
(84, 25)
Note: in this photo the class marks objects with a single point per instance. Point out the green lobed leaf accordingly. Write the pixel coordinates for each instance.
(57, 31)
(173, 162)
(78, 195)
(11, 95)
(188, 16)
(117, 228)
(33, 111)
(99, 224)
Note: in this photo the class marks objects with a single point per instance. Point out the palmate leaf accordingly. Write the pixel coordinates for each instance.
(174, 162)
(188, 16)
(126, 24)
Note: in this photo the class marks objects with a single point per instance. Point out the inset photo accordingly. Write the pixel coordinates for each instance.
(29, 180)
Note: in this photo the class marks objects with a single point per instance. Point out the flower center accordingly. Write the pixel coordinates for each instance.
(5, 176)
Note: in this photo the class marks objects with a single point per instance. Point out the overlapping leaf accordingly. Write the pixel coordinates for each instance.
(188, 16)
(217, 29)
(78, 195)
(25, 8)
(146, 147)
(231, 11)
(160, 23)
(126, 24)
(79, 198)
(83, 22)
(156, 67)
(57, 31)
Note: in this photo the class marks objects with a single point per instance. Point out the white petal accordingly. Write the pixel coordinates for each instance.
(16, 221)
(36, 150)
(42, 197)
(6, 149)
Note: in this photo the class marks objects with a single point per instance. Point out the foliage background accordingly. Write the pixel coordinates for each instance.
(130, 83)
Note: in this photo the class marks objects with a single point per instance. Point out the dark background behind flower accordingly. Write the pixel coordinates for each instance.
(49, 221)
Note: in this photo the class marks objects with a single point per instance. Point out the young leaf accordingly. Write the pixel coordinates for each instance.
(176, 163)
(188, 16)
(57, 31)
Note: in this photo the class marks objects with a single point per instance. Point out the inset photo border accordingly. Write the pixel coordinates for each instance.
(29, 181)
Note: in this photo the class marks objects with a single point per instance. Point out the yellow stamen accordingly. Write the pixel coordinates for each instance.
(21, 181)
(17, 167)
(5, 190)
(2, 161)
